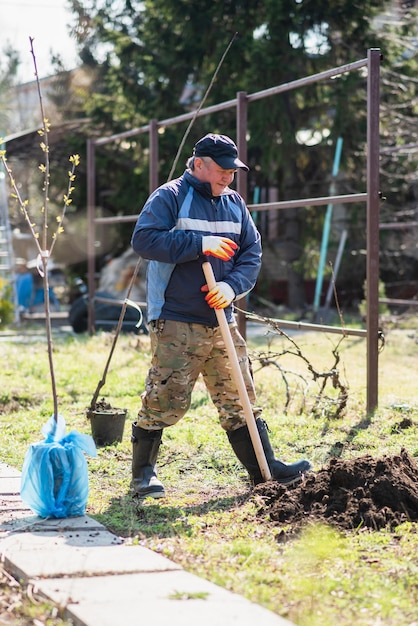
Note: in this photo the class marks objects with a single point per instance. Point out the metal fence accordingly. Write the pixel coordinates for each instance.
(371, 196)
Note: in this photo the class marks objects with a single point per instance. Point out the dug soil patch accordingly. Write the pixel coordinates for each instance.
(348, 494)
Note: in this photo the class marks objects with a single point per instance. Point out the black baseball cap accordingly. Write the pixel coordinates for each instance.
(221, 149)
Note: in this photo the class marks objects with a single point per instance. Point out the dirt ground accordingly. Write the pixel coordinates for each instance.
(348, 494)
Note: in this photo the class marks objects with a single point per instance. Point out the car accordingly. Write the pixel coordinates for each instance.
(107, 312)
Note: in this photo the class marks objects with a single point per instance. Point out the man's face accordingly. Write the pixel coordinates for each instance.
(210, 172)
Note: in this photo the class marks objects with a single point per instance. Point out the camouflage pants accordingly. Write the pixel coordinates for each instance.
(180, 352)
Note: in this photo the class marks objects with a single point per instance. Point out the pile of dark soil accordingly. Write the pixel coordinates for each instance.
(348, 494)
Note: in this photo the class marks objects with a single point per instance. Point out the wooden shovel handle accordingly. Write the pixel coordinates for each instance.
(239, 379)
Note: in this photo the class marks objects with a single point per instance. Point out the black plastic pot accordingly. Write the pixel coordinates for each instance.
(107, 426)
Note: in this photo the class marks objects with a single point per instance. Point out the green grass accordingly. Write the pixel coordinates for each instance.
(209, 521)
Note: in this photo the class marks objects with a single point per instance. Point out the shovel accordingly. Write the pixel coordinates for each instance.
(239, 379)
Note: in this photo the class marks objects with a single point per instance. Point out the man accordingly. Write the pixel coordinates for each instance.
(183, 223)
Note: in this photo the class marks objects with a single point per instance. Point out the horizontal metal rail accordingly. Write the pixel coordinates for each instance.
(285, 204)
(397, 225)
(398, 301)
(291, 204)
(259, 95)
(358, 332)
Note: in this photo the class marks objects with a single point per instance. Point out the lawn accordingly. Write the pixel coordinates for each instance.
(211, 522)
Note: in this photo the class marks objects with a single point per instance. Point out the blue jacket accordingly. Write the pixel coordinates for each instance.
(169, 234)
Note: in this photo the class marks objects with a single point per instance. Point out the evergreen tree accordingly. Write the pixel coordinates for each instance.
(145, 53)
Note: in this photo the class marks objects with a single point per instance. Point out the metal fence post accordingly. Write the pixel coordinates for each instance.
(373, 202)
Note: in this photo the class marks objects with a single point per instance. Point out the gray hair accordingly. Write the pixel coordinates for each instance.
(191, 161)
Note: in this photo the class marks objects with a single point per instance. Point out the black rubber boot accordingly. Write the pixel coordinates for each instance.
(145, 445)
(285, 473)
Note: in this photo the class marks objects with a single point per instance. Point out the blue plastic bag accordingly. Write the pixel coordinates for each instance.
(55, 481)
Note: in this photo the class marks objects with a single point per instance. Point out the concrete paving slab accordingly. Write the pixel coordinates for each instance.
(77, 524)
(13, 502)
(10, 485)
(72, 524)
(14, 519)
(174, 598)
(12, 509)
(8, 470)
(71, 561)
(53, 540)
(101, 581)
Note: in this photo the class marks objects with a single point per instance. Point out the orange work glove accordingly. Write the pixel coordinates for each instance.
(220, 296)
(221, 247)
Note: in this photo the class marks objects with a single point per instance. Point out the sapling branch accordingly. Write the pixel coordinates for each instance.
(40, 236)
